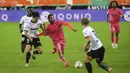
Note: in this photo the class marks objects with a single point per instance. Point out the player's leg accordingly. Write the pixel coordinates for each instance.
(62, 48)
(58, 45)
(23, 43)
(62, 57)
(63, 44)
(28, 54)
(112, 29)
(112, 39)
(37, 44)
(88, 64)
(117, 38)
(100, 58)
(117, 35)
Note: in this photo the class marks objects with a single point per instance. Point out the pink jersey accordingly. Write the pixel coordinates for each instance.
(114, 15)
(55, 30)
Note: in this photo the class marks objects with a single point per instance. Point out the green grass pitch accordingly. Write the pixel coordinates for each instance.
(13, 61)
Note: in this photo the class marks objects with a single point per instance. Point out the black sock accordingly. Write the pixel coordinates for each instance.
(104, 66)
(28, 55)
(88, 67)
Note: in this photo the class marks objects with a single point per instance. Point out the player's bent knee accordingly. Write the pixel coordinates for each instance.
(99, 61)
(86, 61)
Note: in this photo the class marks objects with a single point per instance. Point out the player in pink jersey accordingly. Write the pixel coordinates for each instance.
(55, 31)
(114, 13)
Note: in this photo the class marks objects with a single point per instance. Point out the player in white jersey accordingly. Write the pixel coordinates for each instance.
(30, 31)
(24, 20)
(94, 47)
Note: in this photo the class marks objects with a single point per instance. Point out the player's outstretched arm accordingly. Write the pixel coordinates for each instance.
(69, 25)
(44, 32)
(43, 27)
(40, 34)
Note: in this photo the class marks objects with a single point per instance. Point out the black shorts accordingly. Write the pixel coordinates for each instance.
(36, 42)
(23, 39)
(97, 54)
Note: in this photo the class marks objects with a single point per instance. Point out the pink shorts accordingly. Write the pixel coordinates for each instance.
(60, 44)
(115, 28)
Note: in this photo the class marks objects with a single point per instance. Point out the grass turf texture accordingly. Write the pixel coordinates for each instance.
(13, 61)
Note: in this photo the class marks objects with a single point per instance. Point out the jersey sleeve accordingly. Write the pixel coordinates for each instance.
(86, 33)
(66, 24)
(22, 20)
(26, 27)
(60, 23)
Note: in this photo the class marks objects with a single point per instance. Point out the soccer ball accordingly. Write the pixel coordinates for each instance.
(78, 64)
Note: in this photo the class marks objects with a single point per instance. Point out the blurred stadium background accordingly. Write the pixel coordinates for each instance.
(12, 60)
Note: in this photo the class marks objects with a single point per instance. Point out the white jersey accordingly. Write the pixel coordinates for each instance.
(95, 42)
(32, 28)
(24, 20)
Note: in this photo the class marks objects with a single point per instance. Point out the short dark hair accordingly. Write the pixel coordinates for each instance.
(35, 14)
(85, 21)
(50, 15)
(110, 6)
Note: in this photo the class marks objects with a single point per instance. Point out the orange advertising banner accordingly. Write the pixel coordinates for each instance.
(50, 2)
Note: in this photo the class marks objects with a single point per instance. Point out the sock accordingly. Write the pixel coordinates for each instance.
(116, 39)
(112, 37)
(63, 59)
(104, 66)
(88, 67)
(28, 55)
